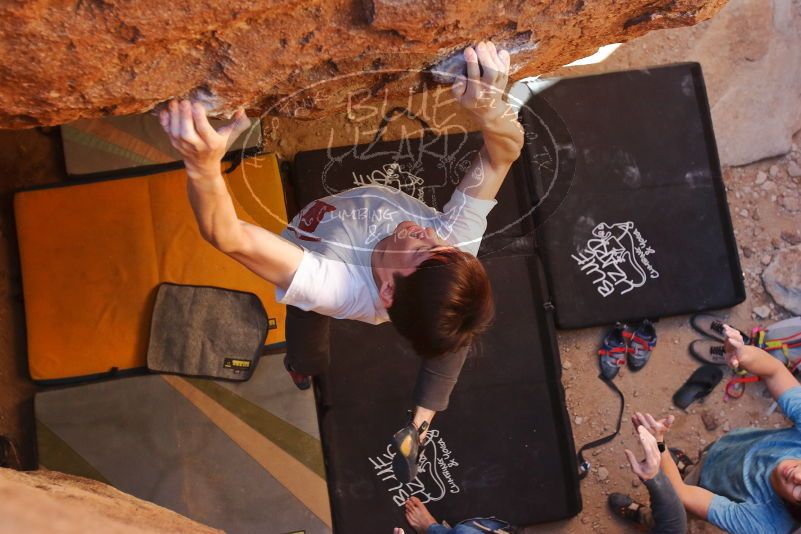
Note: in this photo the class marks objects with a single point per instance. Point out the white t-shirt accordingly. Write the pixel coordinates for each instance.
(338, 234)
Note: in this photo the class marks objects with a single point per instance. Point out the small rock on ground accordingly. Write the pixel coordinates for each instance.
(791, 237)
(762, 312)
(782, 279)
(710, 420)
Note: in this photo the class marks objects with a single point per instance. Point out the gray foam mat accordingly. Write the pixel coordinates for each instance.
(214, 453)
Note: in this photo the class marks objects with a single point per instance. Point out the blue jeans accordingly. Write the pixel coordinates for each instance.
(468, 527)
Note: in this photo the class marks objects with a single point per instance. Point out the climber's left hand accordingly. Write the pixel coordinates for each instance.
(191, 134)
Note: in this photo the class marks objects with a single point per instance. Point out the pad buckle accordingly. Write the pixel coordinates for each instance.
(584, 467)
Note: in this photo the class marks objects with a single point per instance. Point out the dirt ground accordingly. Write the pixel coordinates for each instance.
(760, 215)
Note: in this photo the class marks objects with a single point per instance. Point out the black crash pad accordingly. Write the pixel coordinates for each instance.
(503, 447)
(642, 228)
(506, 427)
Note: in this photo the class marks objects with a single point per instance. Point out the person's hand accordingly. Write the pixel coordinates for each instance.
(656, 427)
(649, 467)
(480, 94)
(190, 133)
(734, 348)
(397, 530)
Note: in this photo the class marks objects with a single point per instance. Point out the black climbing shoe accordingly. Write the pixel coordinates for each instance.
(711, 326)
(302, 382)
(406, 445)
(626, 508)
(708, 351)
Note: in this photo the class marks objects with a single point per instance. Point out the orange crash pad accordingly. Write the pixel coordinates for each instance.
(92, 256)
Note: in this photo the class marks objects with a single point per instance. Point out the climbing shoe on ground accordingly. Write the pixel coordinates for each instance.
(641, 343)
(683, 462)
(613, 352)
(626, 508)
(711, 326)
(708, 351)
(302, 382)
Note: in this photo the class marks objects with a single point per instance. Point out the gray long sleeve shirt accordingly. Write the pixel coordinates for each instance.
(666, 507)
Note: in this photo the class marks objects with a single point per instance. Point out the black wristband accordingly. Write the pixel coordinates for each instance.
(661, 445)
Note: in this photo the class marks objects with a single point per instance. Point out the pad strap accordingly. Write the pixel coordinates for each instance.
(584, 465)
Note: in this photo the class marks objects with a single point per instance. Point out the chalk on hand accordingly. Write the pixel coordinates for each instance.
(454, 66)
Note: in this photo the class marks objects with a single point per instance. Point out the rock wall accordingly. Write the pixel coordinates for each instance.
(49, 502)
(750, 54)
(63, 60)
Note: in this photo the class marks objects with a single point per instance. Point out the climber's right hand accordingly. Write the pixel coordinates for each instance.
(481, 89)
(190, 133)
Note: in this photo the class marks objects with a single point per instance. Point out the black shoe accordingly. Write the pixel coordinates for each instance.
(682, 461)
(708, 351)
(626, 508)
(699, 385)
(406, 445)
(302, 382)
(712, 327)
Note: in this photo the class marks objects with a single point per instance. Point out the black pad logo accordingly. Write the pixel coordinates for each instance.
(436, 476)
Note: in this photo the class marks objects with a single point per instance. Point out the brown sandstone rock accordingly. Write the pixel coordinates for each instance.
(65, 60)
(749, 53)
(49, 502)
(782, 279)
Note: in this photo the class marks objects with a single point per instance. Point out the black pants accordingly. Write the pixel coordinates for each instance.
(307, 341)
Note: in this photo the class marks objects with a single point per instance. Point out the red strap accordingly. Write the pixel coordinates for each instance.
(744, 379)
(738, 392)
(637, 339)
(791, 336)
(616, 350)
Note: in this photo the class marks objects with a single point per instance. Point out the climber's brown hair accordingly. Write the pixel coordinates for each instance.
(443, 305)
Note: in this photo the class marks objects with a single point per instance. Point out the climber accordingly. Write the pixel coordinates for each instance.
(418, 269)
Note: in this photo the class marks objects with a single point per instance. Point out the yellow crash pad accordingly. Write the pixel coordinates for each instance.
(92, 256)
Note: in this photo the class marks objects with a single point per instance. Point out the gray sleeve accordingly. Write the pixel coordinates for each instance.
(437, 378)
(666, 507)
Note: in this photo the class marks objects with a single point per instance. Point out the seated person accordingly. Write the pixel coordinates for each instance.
(666, 514)
(749, 481)
(401, 261)
(423, 522)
